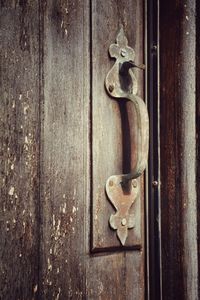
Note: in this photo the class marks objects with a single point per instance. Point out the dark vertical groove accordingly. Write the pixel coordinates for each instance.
(91, 130)
(154, 238)
(41, 105)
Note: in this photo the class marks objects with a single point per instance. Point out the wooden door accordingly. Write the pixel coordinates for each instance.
(61, 139)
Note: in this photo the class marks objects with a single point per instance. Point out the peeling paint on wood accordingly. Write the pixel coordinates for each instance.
(19, 149)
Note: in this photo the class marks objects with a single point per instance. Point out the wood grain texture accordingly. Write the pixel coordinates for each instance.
(178, 150)
(107, 151)
(68, 268)
(19, 149)
(198, 126)
(46, 143)
(64, 149)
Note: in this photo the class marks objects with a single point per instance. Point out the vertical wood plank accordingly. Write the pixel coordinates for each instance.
(178, 150)
(19, 149)
(65, 149)
(126, 281)
(198, 126)
(106, 277)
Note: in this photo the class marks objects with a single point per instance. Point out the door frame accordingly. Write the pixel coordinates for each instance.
(172, 92)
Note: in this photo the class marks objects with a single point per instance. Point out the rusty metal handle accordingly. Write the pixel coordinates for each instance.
(121, 83)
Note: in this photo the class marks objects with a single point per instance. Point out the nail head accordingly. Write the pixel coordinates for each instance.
(123, 222)
(110, 183)
(111, 88)
(123, 52)
(134, 183)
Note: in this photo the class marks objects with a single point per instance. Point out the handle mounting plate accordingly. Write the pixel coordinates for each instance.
(122, 197)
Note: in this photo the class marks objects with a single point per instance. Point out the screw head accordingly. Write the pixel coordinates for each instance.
(123, 222)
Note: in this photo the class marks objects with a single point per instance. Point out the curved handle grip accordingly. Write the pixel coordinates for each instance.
(121, 84)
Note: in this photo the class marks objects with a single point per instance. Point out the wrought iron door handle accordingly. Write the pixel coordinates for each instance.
(121, 84)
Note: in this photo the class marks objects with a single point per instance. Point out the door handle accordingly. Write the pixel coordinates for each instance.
(121, 84)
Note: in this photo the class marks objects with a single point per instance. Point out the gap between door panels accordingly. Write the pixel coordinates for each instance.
(153, 209)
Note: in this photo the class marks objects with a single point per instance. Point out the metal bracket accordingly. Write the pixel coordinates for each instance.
(121, 83)
(122, 197)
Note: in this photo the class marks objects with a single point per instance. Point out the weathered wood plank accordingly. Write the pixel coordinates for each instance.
(106, 277)
(64, 153)
(19, 149)
(126, 281)
(178, 150)
(198, 126)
